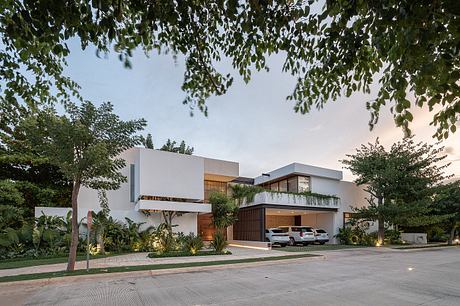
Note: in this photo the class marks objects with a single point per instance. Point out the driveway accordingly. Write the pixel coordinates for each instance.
(348, 277)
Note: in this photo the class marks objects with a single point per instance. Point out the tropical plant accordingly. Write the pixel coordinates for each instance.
(193, 243)
(85, 146)
(224, 210)
(219, 243)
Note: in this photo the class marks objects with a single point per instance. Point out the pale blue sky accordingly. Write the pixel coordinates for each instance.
(252, 124)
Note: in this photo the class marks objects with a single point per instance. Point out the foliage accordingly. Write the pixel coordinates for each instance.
(358, 234)
(243, 193)
(436, 234)
(193, 244)
(187, 253)
(332, 48)
(30, 179)
(219, 243)
(182, 148)
(85, 145)
(224, 210)
(11, 216)
(400, 182)
(447, 204)
(147, 141)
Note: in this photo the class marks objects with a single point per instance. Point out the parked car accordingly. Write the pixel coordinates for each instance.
(277, 236)
(299, 234)
(321, 236)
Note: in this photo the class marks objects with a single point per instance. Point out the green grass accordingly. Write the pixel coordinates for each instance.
(423, 246)
(147, 267)
(310, 248)
(186, 254)
(14, 263)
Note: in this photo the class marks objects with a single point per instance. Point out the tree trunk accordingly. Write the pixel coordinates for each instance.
(451, 236)
(100, 241)
(381, 221)
(75, 233)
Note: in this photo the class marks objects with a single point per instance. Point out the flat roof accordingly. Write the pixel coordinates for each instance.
(299, 169)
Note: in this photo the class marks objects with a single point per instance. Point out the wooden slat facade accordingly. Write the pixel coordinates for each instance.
(250, 225)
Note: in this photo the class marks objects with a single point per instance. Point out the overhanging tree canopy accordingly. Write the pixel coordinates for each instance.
(332, 50)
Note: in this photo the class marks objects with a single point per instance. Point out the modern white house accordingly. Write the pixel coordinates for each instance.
(164, 181)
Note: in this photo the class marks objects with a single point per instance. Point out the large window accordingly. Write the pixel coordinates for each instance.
(294, 184)
(283, 186)
(304, 184)
(213, 186)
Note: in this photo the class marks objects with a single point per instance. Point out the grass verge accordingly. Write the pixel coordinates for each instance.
(310, 248)
(14, 263)
(422, 246)
(187, 254)
(45, 275)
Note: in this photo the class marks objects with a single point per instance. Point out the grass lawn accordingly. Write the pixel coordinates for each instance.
(310, 248)
(29, 262)
(420, 246)
(147, 267)
(187, 254)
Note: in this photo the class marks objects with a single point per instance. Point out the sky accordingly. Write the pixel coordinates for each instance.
(252, 124)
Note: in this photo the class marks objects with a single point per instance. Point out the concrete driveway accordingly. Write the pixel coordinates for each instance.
(348, 277)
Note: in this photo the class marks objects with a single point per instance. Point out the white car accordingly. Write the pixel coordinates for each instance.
(321, 236)
(299, 234)
(276, 236)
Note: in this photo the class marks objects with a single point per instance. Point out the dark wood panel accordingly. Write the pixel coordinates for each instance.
(250, 225)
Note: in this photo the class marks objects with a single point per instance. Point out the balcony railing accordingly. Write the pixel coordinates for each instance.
(289, 199)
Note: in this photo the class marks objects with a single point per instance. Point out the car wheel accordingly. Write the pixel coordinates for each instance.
(322, 243)
(291, 241)
(305, 243)
(283, 245)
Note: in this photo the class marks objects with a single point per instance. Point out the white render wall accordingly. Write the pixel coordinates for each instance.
(167, 174)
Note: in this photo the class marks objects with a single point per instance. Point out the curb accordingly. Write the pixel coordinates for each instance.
(152, 273)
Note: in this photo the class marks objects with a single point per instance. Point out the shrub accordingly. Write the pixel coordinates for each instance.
(193, 243)
(437, 234)
(219, 242)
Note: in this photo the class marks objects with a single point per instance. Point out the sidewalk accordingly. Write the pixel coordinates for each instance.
(137, 259)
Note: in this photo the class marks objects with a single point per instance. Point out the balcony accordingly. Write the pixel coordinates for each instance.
(300, 200)
(172, 206)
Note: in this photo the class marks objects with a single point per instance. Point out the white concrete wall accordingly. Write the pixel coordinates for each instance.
(321, 220)
(324, 185)
(167, 174)
(118, 199)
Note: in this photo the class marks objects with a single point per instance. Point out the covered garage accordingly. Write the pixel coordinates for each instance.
(253, 220)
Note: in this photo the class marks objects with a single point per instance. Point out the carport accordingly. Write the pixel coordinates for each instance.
(253, 220)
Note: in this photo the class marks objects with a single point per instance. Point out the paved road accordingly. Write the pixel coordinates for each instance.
(347, 277)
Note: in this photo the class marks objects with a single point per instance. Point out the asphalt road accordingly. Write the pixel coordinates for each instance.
(347, 277)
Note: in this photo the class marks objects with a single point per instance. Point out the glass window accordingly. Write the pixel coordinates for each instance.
(292, 184)
(283, 186)
(274, 186)
(214, 186)
(277, 231)
(131, 182)
(304, 184)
